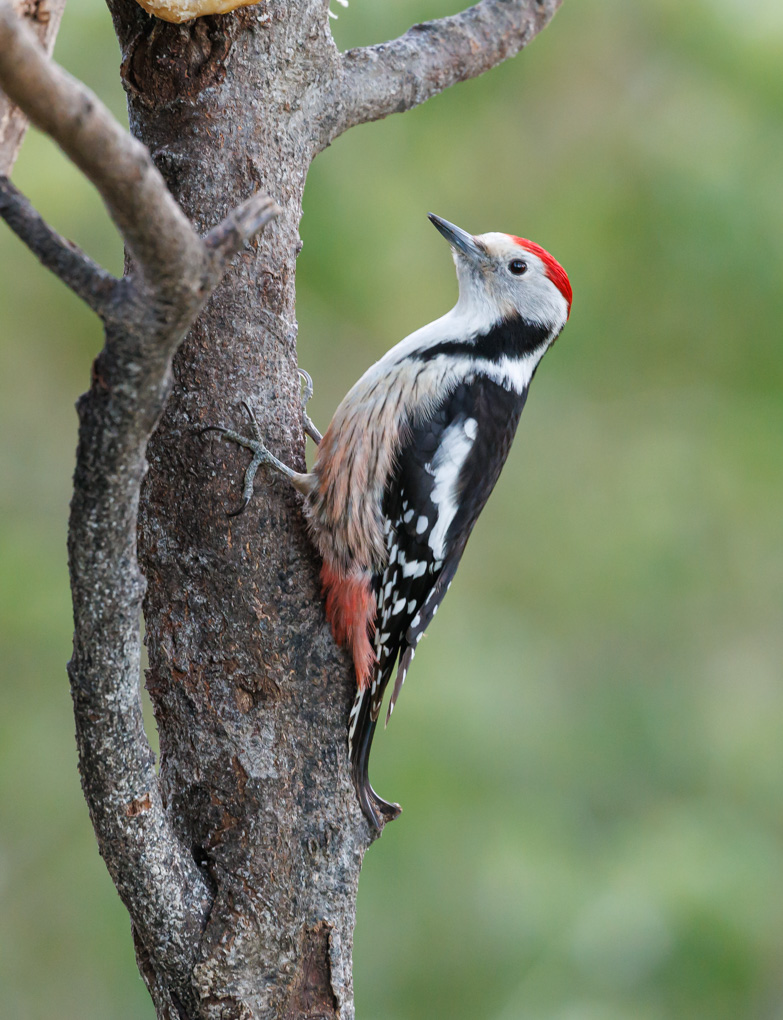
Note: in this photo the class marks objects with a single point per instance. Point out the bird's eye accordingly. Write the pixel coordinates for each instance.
(517, 267)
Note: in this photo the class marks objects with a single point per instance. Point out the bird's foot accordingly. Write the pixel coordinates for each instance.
(307, 392)
(260, 456)
(376, 810)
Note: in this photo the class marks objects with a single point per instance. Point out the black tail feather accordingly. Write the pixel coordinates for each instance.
(362, 729)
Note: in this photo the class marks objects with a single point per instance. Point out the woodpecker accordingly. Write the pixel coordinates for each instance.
(410, 459)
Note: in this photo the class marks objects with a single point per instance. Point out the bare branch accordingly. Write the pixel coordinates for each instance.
(66, 260)
(241, 225)
(156, 875)
(146, 317)
(176, 269)
(395, 76)
(165, 247)
(44, 18)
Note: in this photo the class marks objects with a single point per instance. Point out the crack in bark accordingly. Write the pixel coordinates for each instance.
(312, 996)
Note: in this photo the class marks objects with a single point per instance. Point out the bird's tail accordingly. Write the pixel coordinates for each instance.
(362, 723)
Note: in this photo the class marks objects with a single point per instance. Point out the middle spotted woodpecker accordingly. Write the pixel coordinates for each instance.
(410, 458)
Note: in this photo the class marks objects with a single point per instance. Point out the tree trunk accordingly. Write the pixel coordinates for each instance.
(250, 695)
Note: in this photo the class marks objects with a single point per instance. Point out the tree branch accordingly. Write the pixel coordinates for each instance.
(146, 317)
(156, 875)
(171, 255)
(241, 224)
(175, 268)
(44, 17)
(66, 260)
(394, 76)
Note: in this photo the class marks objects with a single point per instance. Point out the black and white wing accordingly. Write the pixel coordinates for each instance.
(445, 473)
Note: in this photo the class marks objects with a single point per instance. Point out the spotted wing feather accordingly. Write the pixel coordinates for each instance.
(445, 473)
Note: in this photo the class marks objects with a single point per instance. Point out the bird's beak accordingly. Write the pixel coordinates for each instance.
(459, 239)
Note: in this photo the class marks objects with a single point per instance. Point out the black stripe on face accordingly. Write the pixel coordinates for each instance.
(511, 338)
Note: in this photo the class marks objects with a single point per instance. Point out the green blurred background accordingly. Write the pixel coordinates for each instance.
(589, 748)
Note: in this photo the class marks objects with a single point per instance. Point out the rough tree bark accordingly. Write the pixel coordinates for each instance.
(239, 862)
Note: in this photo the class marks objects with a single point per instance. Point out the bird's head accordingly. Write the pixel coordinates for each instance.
(502, 276)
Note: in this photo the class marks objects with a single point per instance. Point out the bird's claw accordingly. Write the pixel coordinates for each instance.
(309, 425)
(307, 392)
(376, 810)
(260, 455)
(253, 423)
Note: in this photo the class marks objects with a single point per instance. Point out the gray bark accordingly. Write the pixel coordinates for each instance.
(239, 863)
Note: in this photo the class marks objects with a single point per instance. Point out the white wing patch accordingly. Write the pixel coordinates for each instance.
(446, 466)
(413, 568)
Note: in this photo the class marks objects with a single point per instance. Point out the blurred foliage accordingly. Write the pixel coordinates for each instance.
(588, 750)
